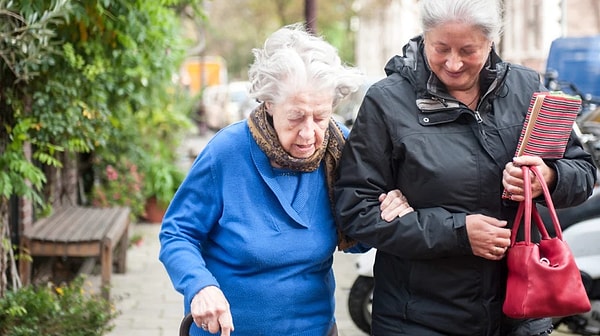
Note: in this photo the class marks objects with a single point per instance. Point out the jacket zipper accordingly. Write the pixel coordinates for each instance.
(478, 117)
(480, 125)
(440, 99)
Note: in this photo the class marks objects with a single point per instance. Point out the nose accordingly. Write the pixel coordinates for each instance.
(307, 130)
(454, 62)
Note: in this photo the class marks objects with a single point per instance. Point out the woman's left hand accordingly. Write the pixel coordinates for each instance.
(512, 177)
(393, 204)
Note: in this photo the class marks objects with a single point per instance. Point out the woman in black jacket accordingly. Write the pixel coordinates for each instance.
(443, 128)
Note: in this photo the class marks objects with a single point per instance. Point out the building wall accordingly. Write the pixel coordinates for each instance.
(530, 27)
(583, 17)
(384, 27)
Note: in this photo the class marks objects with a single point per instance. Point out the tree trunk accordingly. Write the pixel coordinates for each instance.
(4, 243)
(310, 14)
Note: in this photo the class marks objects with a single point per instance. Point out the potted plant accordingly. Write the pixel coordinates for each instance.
(168, 124)
(161, 180)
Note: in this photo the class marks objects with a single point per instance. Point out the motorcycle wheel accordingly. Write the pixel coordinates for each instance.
(360, 301)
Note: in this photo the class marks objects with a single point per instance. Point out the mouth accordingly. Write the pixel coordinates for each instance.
(454, 74)
(305, 148)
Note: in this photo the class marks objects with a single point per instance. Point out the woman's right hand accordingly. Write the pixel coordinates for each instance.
(393, 204)
(210, 310)
(488, 236)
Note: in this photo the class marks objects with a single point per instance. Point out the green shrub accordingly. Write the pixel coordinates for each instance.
(66, 310)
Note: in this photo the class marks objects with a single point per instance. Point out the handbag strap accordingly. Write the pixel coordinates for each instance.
(549, 205)
(527, 210)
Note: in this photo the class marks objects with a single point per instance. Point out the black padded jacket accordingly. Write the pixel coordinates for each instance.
(448, 160)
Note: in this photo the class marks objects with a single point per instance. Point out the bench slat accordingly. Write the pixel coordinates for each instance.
(79, 224)
(46, 226)
(83, 230)
(66, 228)
(55, 226)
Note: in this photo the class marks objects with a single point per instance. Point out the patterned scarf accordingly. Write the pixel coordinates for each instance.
(261, 127)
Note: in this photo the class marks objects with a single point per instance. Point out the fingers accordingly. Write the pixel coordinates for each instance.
(488, 236)
(393, 205)
(512, 181)
(223, 323)
(210, 310)
(527, 160)
(391, 197)
(400, 210)
(226, 324)
(512, 176)
(496, 253)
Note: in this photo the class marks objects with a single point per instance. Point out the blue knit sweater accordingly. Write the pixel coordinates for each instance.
(269, 249)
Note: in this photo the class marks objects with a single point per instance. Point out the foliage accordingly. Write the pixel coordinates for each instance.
(102, 62)
(27, 47)
(162, 175)
(254, 20)
(73, 77)
(26, 36)
(66, 310)
(162, 180)
(119, 185)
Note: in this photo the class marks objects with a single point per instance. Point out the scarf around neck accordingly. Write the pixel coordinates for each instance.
(263, 132)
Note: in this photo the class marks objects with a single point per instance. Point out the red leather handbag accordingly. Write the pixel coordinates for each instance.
(543, 279)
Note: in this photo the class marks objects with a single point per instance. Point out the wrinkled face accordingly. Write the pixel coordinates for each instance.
(301, 120)
(456, 53)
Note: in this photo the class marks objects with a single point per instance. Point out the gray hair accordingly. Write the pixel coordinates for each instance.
(484, 14)
(292, 60)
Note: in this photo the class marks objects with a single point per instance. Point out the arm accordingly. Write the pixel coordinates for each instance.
(186, 224)
(486, 236)
(193, 212)
(366, 171)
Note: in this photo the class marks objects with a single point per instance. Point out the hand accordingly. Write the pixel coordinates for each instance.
(210, 310)
(488, 237)
(393, 204)
(512, 177)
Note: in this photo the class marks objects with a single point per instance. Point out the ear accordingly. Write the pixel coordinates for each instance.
(269, 106)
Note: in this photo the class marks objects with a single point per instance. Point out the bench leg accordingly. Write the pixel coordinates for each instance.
(25, 262)
(121, 258)
(106, 266)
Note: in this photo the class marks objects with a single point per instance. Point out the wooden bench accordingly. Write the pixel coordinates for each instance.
(76, 231)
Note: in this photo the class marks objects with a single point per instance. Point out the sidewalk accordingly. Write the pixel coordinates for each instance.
(149, 306)
(146, 301)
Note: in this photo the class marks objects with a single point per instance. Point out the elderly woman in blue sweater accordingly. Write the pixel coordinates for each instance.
(249, 236)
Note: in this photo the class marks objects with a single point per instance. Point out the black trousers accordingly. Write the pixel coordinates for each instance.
(510, 327)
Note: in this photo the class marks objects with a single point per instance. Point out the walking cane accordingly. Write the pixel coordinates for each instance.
(186, 323)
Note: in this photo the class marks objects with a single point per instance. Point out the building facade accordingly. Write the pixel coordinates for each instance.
(384, 26)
